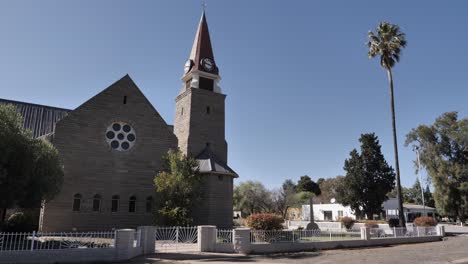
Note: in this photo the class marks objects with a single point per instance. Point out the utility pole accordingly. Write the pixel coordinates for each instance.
(420, 179)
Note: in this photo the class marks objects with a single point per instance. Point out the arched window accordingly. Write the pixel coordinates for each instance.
(97, 203)
(115, 203)
(132, 204)
(149, 204)
(77, 202)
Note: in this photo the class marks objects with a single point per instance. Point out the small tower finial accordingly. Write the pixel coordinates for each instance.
(203, 5)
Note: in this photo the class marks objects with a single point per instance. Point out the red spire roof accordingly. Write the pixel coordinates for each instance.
(201, 45)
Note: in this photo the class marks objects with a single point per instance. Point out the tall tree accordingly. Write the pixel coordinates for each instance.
(388, 43)
(30, 169)
(368, 178)
(284, 198)
(178, 188)
(306, 184)
(443, 148)
(328, 188)
(252, 197)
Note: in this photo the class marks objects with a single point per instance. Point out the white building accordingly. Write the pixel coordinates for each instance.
(327, 212)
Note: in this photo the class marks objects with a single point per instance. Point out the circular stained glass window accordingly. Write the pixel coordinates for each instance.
(120, 136)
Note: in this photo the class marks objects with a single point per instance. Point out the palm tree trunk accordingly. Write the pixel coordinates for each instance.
(401, 215)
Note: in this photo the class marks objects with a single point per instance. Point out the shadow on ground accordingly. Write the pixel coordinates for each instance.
(219, 257)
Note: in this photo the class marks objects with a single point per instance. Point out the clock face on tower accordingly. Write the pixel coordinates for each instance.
(208, 64)
(188, 65)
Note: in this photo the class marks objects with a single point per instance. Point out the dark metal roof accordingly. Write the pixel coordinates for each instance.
(208, 162)
(40, 119)
(201, 47)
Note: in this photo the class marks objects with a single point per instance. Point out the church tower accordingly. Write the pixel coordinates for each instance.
(200, 128)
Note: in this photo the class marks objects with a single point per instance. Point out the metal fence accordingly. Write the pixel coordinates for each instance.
(57, 240)
(224, 236)
(402, 232)
(176, 238)
(299, 236)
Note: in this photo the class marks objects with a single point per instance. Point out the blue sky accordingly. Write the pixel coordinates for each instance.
(300, 87)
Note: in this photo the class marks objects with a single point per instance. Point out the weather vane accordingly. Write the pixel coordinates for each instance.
(203, 5)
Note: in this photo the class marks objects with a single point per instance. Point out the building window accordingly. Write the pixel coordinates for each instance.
(125, 100)
(149, 204)
(120, 136)
(206, 84)
(182, 111)
(220, 177)
(327, 215)
(77, 202)
(340, 214)
(208, 110)
(97, 203)
(115, 203)
(132, 204)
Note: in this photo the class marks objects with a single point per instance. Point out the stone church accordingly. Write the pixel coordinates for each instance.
(111, 147)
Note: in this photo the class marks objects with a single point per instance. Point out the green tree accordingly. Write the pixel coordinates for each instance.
(443, 148)
(328, 188)
(30, 169)
(388, 43)
(306, 184)
(284, 198)
(368, 178)
(252, 197)
(178, 188)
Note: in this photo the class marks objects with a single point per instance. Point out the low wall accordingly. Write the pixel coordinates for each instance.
(123, 249)
(311, 246)
(59, 255)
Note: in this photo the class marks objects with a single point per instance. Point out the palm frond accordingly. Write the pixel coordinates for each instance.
(386, 42)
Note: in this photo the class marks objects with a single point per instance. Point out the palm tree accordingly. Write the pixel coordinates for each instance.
(388, 44)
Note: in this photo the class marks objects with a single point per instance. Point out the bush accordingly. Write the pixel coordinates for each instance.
(19, 222)
(371, 224)
(425, 221)
(347, 221)
(393, 222)
(265, 221)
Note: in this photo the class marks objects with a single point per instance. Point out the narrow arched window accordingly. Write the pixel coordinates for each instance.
(115, 203)
(149, 204)
(208, 110)
(132, 204)
(97, 203)
(77, 202)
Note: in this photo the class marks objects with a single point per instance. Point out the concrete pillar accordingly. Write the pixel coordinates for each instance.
(206, 238)
(124, 243)
(147, 239)
(241, 240)
(441, 230)
(365, 233)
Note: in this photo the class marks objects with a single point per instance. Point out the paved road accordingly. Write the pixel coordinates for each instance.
(452, 250)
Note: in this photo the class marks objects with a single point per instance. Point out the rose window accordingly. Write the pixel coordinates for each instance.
(120, 136)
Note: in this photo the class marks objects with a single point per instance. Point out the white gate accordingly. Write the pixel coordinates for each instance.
(176, 239)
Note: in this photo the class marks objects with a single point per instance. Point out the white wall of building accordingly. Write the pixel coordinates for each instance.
(327, 212)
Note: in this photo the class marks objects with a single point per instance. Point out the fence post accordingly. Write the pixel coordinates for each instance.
(147, 239)
(440, 230)
(417, 229)
(207, 238)
(32, 240)
(330, 235)
(241, 240)
(124, 243)
(365, 233)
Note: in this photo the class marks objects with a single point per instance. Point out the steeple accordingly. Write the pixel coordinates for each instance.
(202, 58)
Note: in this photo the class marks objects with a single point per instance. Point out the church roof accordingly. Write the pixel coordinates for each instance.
(208, 162)
(40, 119)
(201, 47)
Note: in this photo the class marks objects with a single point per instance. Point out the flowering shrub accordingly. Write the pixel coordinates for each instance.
(425, 221)
(347, 221)
(393, 222)
(265, 221)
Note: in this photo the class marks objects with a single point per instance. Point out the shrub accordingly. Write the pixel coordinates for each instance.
(425, 221)
(265, 221)
(347, 221)
(371, 224)
(19, 222)
(393, 222)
